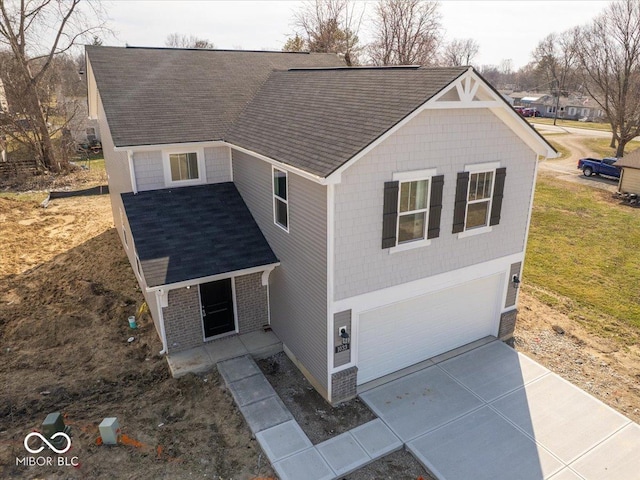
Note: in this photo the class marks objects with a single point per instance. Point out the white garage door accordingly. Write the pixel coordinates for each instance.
(408, 332)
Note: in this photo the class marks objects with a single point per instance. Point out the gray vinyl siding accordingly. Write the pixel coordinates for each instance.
(446, 140)
(148, 170)
(298, 287)
(217, 164)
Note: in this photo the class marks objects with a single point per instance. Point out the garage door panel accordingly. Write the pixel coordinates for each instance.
(402, 334)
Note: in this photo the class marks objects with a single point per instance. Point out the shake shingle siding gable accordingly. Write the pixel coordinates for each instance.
(161, 96)
(317, 120)
(194, 232)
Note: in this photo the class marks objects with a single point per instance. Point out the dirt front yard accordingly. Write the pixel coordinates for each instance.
(66, 291)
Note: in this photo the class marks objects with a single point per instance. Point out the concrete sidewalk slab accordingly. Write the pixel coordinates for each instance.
(307, 465)
(265, 414)
(376, 439)
(225, 348)
(566, 474)
(251, 389)
(420, 402)
(616, 458)
(261, 344)
(482, 446)
(283, 440)
(497, 370)
(195, 360)
(560, 416)
(238, 368)
(343, 454)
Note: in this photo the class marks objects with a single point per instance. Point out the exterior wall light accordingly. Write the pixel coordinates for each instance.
(516, 281)
(344, 336)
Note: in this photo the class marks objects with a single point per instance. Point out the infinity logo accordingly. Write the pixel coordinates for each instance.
(44, 440)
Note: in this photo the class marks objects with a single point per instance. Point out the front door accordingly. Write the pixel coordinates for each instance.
(217, 307)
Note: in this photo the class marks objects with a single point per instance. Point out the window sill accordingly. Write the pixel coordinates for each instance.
(409, 246)
(185, 183)
(475, 231)
(281, 227)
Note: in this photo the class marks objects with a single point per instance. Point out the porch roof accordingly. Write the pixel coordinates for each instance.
(188, 233)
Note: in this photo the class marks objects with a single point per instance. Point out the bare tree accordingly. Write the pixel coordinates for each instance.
(330, 26)
(406, 32)
(25, 27)
(460, 52)
(179, 40)
(556, 58)
(609, 53)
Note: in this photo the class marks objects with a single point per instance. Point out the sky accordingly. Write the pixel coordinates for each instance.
(504, 29)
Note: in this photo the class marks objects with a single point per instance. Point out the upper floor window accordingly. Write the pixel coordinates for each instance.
(478, 204)
(411, 209)
(280, 199)
(184, 166)
(479, 199)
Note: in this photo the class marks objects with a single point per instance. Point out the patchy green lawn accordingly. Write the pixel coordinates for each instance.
(571, 123)
(583, 255)
(562, 149)
(601, 147)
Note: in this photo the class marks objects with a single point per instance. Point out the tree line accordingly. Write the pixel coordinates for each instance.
(37, 63)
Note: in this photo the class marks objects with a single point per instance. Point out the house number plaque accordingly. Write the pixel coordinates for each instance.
(342, 348)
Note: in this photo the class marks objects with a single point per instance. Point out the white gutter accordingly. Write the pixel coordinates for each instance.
(211, 278)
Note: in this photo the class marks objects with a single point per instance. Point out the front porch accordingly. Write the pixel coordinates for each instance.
(258, 344)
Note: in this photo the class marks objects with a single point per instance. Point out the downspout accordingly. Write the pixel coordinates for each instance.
(132, 174)
(159, 299)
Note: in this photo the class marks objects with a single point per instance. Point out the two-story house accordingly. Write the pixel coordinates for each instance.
(373, 217)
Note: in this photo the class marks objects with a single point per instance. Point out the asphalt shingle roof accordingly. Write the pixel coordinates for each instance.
(194, 232)
(157, 95)
(317, 119)
(631, 160)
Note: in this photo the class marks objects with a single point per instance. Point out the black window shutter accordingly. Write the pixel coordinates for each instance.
(498, 190)
(390, 214)
(460, 206)
(435, 206)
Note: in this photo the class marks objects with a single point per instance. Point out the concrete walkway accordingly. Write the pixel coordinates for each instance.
(288, 448)
(488, 413)
(201, 359)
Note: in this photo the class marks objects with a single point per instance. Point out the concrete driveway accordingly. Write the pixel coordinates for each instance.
(493, 413)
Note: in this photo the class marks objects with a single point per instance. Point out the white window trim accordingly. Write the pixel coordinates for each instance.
(202, 171)
(412, 176)
(479, 168)
(274, 196)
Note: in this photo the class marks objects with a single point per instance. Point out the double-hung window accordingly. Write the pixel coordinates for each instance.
(280, 199)
(412, 210)
(479, 199)
(478, 202)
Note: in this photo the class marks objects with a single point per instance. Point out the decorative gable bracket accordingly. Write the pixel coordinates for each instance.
(466, 92)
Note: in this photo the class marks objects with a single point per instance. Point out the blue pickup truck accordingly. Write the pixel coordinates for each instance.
(606, 166)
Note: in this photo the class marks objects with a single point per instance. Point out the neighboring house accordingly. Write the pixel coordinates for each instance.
(254, 188)
(573, 107)
(81, 128)
(630, 175)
